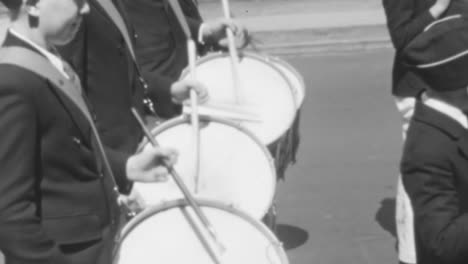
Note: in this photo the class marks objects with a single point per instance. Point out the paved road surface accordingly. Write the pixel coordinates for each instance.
(336, 206)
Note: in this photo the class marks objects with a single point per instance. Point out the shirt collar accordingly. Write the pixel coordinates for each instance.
(54, 59)
(447, 109)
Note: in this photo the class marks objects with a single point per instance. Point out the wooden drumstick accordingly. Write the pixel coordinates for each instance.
(188, 196)
(233, 54)
(194, 116)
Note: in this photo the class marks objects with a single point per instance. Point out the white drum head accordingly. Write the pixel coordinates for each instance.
(295, 79)
(264, 91)
(165, 235)
(235, 168)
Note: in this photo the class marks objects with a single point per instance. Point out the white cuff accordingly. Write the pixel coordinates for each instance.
(200, 34)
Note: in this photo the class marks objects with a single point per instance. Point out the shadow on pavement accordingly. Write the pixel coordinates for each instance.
(291, 236)
(385, 216)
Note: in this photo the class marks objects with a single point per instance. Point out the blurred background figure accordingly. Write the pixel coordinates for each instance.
(405, 20)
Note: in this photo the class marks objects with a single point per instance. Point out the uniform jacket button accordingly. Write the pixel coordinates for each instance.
(77, 140)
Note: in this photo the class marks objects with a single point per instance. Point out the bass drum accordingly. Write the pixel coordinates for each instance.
(235, 167)
(264, 91)
(164, 234)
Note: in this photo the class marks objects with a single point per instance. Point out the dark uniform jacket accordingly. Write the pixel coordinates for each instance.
(406, 19)
(56, 205)
(161, 44)
(435, 175)
(110, 77)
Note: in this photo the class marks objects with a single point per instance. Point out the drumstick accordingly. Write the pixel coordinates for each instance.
(233, 53)
(188, 196)
(194, 114)
(192, 54)
(191, 48)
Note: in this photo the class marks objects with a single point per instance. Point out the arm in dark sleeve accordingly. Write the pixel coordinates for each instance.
(402, 21)
(159, 91)
(22, 238)
(441, 228)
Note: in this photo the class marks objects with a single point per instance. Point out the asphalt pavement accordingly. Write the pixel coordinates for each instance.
(285, 27)
(337, 203)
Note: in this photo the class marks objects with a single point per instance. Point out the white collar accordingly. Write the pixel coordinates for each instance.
(54, 59)
(447, 109)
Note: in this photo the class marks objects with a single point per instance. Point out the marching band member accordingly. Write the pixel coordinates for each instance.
(103, 55)
(161, 43)
(405, 20)
(435, 159)
(57, 201)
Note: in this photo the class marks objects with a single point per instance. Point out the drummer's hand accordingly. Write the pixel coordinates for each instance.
(149, 165)
(215, 31)
(180, 91)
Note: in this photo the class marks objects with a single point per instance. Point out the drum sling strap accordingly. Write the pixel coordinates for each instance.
(119, 22)
(32, 61)
(114, 14)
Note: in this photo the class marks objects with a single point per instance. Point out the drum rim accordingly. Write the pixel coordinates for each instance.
(154, 209)
(260, 57)
(186, 119)
(289, 67)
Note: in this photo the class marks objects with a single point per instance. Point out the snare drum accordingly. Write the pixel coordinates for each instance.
(264, 91)
(164, 234)
(235, 167)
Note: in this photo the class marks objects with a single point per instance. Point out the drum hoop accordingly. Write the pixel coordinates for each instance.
(186, 119)
(152, 210)
(262, 58)
(288, 66)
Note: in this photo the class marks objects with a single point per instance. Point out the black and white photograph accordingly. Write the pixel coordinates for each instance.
(234, 131)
